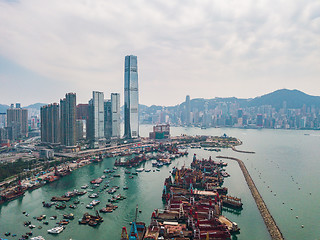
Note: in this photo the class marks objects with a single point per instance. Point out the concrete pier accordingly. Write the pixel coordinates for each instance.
(272, 227)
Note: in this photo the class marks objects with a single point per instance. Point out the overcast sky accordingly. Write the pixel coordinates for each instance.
(202, 48)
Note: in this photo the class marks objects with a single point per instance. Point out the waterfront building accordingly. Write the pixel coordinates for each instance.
(50, 123)
(68, 120)
(115, 108)
(131, 98)
(160, 131)
(17, 122)
(107, 119)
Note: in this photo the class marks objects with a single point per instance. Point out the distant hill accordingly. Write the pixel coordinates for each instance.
(293, 98)
(36, 106)
(3, 108)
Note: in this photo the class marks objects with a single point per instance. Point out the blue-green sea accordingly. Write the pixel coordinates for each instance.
(285, 169)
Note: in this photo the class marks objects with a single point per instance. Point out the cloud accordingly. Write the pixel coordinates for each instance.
(203, 48)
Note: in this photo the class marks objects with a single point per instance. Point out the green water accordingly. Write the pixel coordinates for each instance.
(279, 155)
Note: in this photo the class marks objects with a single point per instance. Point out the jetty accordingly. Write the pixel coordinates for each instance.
(271, 224)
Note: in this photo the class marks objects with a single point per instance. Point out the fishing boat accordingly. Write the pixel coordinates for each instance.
(56, 230)
(61, 206)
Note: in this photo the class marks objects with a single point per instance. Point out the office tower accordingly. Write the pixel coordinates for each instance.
(131, 98)
(50, 123)
(17, 122)
(68, 120)
(107, 119)
(188, 110)
(115, 105)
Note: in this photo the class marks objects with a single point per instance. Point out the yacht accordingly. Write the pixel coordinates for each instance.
(55, 230)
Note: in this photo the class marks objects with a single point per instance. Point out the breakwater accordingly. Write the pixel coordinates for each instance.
(241, 151)
(272, 226)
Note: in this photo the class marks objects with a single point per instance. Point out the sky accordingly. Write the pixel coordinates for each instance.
(205, 49)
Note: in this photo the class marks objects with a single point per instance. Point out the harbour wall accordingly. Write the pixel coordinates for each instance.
(271, 225)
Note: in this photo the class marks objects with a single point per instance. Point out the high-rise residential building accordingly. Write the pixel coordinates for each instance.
(95, 125)
(68, 120)
(50, 123)
(3, 120)
(115, 108)
(17, 122)
(188, 110)
(107, 119)
(80, 129)
(131, 97)
(82, 111)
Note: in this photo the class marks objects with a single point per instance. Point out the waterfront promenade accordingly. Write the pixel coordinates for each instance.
(272, 227)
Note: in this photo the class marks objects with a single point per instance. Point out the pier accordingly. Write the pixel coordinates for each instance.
(272, 227)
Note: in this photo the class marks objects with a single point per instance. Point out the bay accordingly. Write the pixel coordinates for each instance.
(280, 154)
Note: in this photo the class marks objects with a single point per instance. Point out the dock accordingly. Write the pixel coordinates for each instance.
(271, 224)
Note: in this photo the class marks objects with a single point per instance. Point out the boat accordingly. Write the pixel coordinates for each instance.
(125, 188)
(62, 206)
(55, 230)
(89, 206)
(37, 238)
(76, 201)
(47, 205)
(93, 195)
(68, 216)
(116, 175)
(148, 170)
(127, 172)
(140, 169)
(85, 186)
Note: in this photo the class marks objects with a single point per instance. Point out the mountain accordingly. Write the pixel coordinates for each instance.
(3, 108)
(36, 106)
(293, 99)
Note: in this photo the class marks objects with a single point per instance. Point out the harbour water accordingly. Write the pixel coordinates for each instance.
(284, 162)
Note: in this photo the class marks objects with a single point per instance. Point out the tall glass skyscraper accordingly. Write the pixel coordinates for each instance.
(131, 98)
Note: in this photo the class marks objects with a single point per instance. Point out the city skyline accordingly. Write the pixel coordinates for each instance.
(212, 47)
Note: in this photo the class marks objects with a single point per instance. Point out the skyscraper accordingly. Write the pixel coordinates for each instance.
(131, 97)
(68, 120)
(17, 122)
(115, 109)
(107, 119)
(95, 126)
(188, 110)
(50, 123)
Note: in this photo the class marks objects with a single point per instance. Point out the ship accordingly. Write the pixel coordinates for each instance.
(11, 195)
